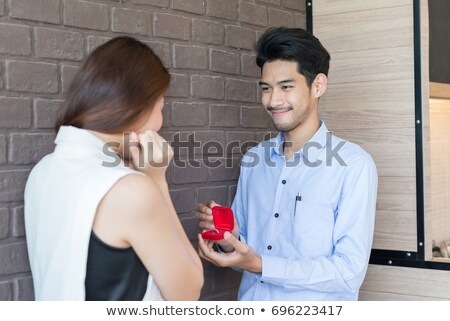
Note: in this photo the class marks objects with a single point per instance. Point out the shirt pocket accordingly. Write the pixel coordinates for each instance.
(313, 228)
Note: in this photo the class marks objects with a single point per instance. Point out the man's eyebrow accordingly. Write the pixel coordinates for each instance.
(285, 81)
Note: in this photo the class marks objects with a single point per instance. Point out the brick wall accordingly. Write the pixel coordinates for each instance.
(207, 45)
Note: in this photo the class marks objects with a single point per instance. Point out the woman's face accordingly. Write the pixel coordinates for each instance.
(155, 120)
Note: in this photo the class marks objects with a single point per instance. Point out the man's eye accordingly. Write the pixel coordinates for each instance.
(265, 89)
(287, 87)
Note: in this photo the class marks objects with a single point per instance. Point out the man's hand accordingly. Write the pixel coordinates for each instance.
(243, 255)
(204, 215)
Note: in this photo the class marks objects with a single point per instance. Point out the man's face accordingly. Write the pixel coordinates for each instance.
(285, 95)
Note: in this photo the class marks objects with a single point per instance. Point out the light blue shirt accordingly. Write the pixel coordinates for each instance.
(311, 218)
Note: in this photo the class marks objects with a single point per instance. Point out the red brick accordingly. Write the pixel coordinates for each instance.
(228, 171)
(231, 193)
(87, 15)
(224, 116)
(172, 26)
(183, 200)
(6, 291)
(14, 258)
(29, 148)
(15, 112)
(227, 280)
(67, 75)
(131, 21)
(12, 184)
(208, 32)
(225, 62)
(241, 90)
(190, 57)
(38, 10)
(170, 137)
(249, 67)
(280, 18)
(240, 138)
(300, 20)
(17, 222)
(36, 77)
(154, 3)
(25, 289)
(190, 226)
(3, 149)
(217, 194)
(238, 37)
(4, 222)
(15, 39)
(266, 134)
(253, 117)
(162, 49)
(46, 112)
(194, 6)
(95, 41)
(190, 173)
(253, 14)
(58, 44)
(207, 87)
(209, 141)
(179, 86)
(189, 114)
(295, 4)
(223, 9)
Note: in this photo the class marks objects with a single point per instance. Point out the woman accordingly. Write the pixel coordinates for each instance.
(99, 221)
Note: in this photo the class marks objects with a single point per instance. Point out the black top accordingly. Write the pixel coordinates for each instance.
(114, 274)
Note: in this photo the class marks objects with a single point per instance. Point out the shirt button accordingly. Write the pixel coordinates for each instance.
(269, 247)
(283, 181)
(276, 215)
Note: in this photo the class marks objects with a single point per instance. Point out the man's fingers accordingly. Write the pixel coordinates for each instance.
(203, 209)
(206, 226)
(208, 253)
(212, 204)
(203, 217)
(204, 247)
(234, 242)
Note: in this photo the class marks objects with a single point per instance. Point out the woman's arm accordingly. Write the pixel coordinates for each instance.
(137, 212)
(140, 210)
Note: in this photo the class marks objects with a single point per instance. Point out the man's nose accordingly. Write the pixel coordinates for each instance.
(276, 98)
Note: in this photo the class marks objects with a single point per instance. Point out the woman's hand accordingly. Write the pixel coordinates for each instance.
(150, 154)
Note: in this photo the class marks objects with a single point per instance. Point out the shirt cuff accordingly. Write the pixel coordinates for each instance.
(273, 268)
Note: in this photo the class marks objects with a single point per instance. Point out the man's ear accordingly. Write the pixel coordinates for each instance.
(319, 85)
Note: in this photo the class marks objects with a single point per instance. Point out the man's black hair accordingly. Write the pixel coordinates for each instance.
(294, 44)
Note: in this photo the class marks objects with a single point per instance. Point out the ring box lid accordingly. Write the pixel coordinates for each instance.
(223, 221)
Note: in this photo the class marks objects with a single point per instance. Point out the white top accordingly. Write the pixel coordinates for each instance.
(62, 194)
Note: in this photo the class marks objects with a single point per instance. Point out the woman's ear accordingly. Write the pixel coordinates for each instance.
(319, 85)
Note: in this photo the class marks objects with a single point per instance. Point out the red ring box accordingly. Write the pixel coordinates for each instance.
(223, 221)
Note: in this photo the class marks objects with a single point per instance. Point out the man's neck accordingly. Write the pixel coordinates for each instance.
(299, 136)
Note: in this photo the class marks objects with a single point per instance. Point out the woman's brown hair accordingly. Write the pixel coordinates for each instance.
(118, 83)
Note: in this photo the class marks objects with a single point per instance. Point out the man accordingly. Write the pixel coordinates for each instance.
(305, 201)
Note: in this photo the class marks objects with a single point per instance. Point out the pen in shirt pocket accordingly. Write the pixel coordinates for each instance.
(298, 198)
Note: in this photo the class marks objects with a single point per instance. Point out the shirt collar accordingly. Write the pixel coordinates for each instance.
(78, 136)
(314, 146)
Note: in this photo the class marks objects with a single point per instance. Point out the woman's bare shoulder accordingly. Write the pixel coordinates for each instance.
(134, 191)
